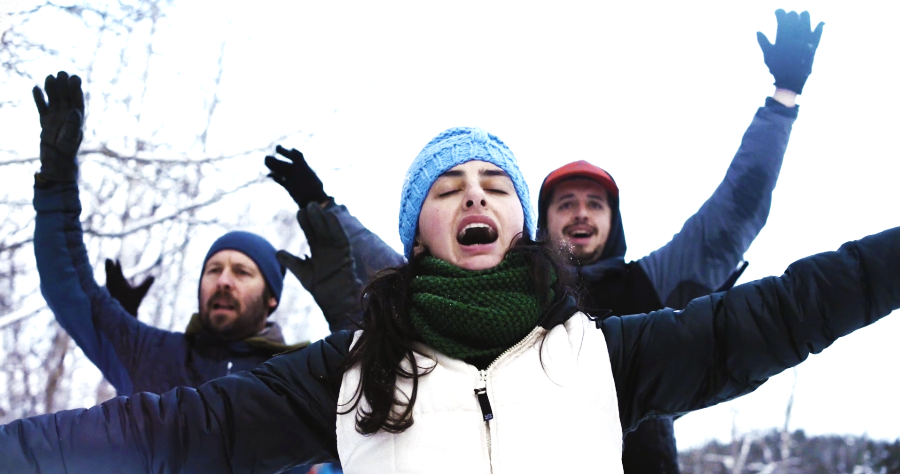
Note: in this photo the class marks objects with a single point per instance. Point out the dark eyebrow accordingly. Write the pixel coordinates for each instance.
(482, 173)
(451, 174)
(494, 173)
(564, 196)
(598, 197)
(241, 266)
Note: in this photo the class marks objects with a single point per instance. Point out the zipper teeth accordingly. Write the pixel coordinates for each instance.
(512, 348)
(483, 375)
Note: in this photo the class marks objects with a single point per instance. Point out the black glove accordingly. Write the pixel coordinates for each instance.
(329, 273)
(297, 177)
(790, 59)
(61, 122)
(120, 289)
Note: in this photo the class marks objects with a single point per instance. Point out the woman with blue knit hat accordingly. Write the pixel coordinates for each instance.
(474, 356)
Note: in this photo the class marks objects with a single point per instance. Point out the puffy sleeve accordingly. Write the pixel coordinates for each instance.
(727, 344)
(279, 415)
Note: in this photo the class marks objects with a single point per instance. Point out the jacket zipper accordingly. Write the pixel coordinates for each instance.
(481, 392)
(228, 368)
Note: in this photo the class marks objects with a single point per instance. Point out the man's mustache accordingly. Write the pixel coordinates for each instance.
(223, 297)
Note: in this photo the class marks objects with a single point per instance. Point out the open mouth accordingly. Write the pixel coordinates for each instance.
(580, 232)
(477, 233)
(223, 303)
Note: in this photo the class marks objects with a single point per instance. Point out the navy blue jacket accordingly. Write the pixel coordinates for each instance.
(284, 412)
(131, 355)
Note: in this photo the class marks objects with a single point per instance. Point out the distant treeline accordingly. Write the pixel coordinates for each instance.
(794, 453)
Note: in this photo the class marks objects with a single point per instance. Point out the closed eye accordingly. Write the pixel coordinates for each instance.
(448, 193)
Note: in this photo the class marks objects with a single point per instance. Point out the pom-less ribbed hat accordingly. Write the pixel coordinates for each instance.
(453, 147)
(259, 250)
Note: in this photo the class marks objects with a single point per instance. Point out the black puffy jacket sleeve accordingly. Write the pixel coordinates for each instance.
(276, 416)
(727, 344)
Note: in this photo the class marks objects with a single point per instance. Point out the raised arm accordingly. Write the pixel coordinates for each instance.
(277, 416)
(82, 308)
(712, 242)
(343, 253)
(726, 345)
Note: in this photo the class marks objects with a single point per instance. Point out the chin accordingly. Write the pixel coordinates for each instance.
(480, 262)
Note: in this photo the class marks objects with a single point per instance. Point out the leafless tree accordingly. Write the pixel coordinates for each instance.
(153, 195)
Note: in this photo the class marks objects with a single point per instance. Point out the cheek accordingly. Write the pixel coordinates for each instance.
(433, 223)
(555, 223)
(206, 289)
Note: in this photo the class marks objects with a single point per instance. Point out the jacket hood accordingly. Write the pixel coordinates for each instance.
(615, 246)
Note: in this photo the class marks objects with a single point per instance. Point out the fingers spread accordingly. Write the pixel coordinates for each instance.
(291, 154)
(76, 95)
(62, 89)
(278, 167)
(52, 96)
(817, 34)
(804, 21)
(290, 261)
(39, 100)
(764, 42)
(144, 287)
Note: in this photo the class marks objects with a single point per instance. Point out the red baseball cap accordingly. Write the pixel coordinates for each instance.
(578, 169)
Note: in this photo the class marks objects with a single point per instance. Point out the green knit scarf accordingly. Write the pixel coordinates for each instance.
(474, 315)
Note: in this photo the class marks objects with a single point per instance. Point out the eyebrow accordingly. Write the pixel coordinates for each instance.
(241, 266)
(571, 195)
(485, 173)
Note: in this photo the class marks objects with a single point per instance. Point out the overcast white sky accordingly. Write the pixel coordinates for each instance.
(659, 95)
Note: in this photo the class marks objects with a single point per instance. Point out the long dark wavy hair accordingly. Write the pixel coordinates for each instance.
(388, 335)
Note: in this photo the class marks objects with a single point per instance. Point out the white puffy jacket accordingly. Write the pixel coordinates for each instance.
(550, 399)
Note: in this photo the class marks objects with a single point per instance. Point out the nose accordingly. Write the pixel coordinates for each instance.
(475, 195)
(225, 280)
(580, 214)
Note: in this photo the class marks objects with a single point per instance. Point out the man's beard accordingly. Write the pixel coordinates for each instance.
(246, 322)
(580, 252)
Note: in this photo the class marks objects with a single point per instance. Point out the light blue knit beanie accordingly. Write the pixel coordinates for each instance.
(453, 147)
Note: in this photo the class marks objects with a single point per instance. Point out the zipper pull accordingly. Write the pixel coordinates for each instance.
(481, 393)
(228, 368)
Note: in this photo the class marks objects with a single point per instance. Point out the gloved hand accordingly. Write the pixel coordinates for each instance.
(328, 274)
(120, 289)
(61, 121)
(790, 59)
(297, 177)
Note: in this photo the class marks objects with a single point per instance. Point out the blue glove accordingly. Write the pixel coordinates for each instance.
(790, 59)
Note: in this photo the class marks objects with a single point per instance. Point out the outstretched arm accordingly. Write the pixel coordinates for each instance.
(727, 344)
(701, 256)
(277, 416)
